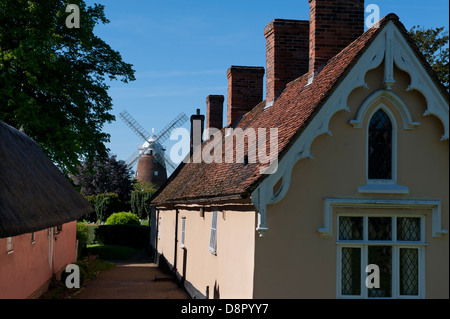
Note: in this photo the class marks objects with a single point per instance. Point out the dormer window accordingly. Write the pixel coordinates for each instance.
(380, 146)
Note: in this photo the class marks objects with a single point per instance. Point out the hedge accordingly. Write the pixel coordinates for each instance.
(123, 235)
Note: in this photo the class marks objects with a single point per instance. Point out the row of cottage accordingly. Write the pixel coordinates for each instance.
(362, 176)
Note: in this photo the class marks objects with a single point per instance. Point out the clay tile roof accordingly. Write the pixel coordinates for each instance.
(290, 113)
(34, 194)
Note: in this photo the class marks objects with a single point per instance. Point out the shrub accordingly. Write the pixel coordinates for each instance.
(123, 218)
(82, 233)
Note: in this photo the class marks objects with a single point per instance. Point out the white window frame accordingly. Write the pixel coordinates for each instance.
(159, 227)
(213, 234)
(9, 245)
(383, 186)
(183, 232)
(396, 246)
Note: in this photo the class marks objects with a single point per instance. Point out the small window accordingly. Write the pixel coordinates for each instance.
(9, 245)
(156, 173)
(33, 238)
(380, 146)
(213, 237)
(183, 231)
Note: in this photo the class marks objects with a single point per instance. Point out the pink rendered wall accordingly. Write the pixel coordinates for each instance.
(28, 267)
(64, 247)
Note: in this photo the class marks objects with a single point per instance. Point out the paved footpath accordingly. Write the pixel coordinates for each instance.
(132, 280)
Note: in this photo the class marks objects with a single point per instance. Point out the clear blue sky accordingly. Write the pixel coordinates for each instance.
(181, 51)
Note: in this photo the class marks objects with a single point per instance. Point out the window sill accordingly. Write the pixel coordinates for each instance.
(383, 188)
(9, 252)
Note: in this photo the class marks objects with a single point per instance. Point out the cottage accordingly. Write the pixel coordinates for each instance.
(362, 176)
(38, 213)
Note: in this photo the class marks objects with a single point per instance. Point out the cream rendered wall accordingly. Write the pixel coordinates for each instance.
(293, 260)
(229, 273)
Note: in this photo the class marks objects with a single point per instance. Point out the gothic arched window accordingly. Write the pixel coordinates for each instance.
(380, 146)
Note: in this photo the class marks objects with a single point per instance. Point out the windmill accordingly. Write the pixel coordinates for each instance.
(153, 164)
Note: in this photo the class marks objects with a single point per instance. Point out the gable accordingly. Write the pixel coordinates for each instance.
(390, 49)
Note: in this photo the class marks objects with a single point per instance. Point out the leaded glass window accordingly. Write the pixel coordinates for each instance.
(395, 244)
(380, 146)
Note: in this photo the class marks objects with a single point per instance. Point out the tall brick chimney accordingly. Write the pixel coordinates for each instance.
(287, 54)
(333, 26)
(245, 90)
(214, 112)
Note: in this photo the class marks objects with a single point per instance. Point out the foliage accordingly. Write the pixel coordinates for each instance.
(85, 236)
(111, 176)
(104, 205)
(433, 43)
(140, 186)
(85, 233)
(53, 79)
(123, 235)
(123, 218)
(140, 204)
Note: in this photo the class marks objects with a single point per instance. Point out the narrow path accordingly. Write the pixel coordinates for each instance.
(134, 279)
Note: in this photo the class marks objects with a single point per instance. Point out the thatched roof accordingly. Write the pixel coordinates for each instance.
(34, 194)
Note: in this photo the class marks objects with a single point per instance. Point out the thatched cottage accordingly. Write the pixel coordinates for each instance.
(38, 212)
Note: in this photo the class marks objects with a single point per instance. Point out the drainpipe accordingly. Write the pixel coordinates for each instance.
(176, 244)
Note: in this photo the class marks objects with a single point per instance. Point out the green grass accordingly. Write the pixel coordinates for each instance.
(111, 251)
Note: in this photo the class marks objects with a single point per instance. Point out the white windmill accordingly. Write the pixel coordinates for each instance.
(153, 166)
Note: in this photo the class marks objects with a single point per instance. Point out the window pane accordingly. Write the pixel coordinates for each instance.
(213, 236)
(409, 272)
(351, 271)
(382, 257)
(408, 229)
(380, 228)
(380, 146)
(350, 228)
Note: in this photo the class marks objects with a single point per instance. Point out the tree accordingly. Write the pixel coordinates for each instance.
(53, 78)
(112, 176)
(433, 43)
(139, 198)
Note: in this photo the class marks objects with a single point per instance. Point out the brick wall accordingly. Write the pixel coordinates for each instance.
(287, 54)
(245, 90)
(333, 26)
(214, 111)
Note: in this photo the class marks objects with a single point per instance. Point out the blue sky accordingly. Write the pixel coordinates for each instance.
(181, 51)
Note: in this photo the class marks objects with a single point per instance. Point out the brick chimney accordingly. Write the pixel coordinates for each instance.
(214, 112)
(245, 90)
(287, 54)
(333, 26)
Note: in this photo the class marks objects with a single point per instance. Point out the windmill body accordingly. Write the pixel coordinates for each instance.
(149, 169)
